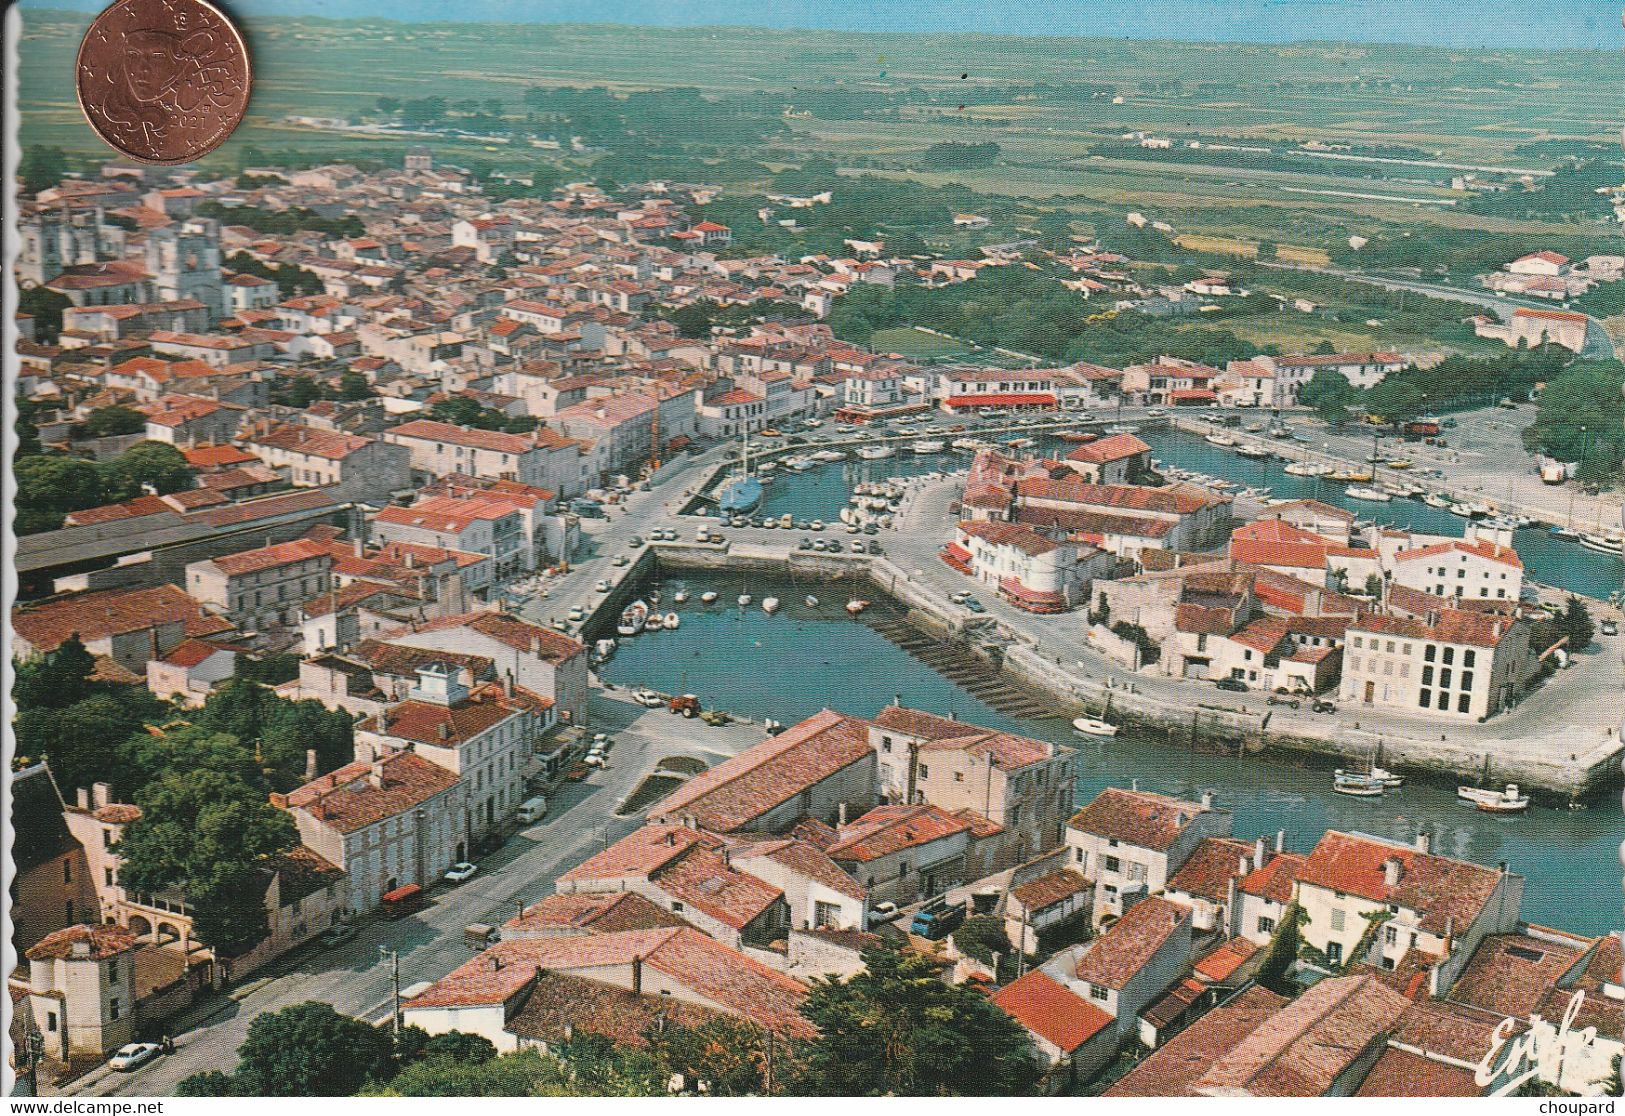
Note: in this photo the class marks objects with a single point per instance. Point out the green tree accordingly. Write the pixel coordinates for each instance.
(300, 392)
(157, 464)
(113, 420)
(896, 1029)
(28, 443)
(207, 834)
(47, 306)
(1576, 624)
(1275, 970)
(526, 1074)
(1330, 394)
(693, 320)
(185, 750)
(389, 105)
(48, 487)
(279, 731)
(353, 387)
(212, 1083)
(55, 679)
(458, 1046)
(75, 739)
(310, 1050)
(728, 1055)
(42, 167)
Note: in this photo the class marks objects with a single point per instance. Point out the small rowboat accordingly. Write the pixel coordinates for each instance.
(855, 606)
(1089, 726)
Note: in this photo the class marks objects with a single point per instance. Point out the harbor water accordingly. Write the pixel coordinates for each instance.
(790, 665)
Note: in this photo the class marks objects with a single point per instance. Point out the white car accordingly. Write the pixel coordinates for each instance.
(882, 912)
(649, 699)
(461, 871)
(602, 586)
(594, 759)
(133, 1055)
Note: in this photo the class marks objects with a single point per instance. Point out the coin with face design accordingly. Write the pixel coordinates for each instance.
(163, 81)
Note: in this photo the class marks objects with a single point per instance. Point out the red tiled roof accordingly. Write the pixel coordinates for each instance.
(1401, 1073)
(1113, 448)
(1511, 974)
(734, 793)
(702, 879)
(335, 445)
(891, 829)
(269, 557)
(1049, 889)
(1222, 963)
(590, 913)
(562, 1007)
(432, 431)
(640, 853)
(108, 612)
(1118, 955)
(1211, 865)
(1051, 1011)
(1125, 497)
(1307, 1045)
(1275, 879)
(1170, 1070)
(518, 634)
(1008, 751)
(1022, 538)
(361, 794)
(1442, 891)
(106, 940)
(1141, 818)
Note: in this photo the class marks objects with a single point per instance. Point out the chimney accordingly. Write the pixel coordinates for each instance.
(840, 817)
(897, 699)
(375, 774)
(536, 645)
(671, 838)
(1242, 864)
(507, 683)
(83, 797)
(310, 764)
(360, 547)
(637, 975)
(443, 731)
(496, 962)
(79, 948)
(1207, 800)
(727, 857)
(1258, 854)
(383, 720)
(101, 794)
(1280, 840)
(1391, 869)
(1424, 841)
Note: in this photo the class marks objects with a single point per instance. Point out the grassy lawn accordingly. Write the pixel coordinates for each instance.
(915, 343)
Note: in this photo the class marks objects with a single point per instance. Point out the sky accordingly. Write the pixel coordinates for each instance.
(1583, 24)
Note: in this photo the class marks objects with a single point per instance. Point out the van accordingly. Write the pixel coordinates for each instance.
(533, 810)
(403, 901)
(937, 923)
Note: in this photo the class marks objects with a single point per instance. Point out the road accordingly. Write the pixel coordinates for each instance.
(1598, 346)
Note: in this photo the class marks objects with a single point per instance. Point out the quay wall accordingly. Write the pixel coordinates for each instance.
(1563, 770)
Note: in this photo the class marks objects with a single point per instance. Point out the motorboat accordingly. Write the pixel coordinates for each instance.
(1122, 428)
(1219, 440)
(1377, 776)
(633, 619)
(680, 596)
(1361, 492)
(1508, 800)
(1357, 788)
(1090, 726)
(1304, 469)
(770, 605)
(654, 623)
(1019, 442)
(1434, 500)
(875, 453)
(744, 599)
(1079, 436)
(855, 606)
(1350, 476)
(930, 445)
(1255, 451)
(603, 650)
(830, 455)
(812, 601)
(672, 620)
(767, 467)
(1564, 533)
(1603, 543)
(708, 597)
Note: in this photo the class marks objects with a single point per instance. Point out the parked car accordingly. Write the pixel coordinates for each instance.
(874, 546)
(973, 604)
(595, 759)
(461, 871)
(1289, 702)
(337, 935)
(1321, 705)
(648, 698)
(938, 923)
(1609, 628)
(1232, 685)
(882, 912)
(857, 546)
(602, 586)
(134, 1055)
(619, 560)
(805, 544)
(635, 541)
(818, 525)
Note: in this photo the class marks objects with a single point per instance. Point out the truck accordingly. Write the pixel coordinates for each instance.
(937, 922)
(533, 810)
(403, 901)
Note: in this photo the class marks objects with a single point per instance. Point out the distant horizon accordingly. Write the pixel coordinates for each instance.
(1490, 24)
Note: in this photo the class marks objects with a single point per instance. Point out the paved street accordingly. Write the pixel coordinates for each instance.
(356, 980)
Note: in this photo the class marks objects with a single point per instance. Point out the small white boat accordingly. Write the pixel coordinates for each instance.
(654, 623)
(1219, 440)
(672, 620)
(1089, 726)
(1434, 500)
(1252, 451)
(855, 606)
(1358, 789)
(1600, 543)
(1377, 777)
(1506, 801)
(930, 445)
(770, 605)
(1019, 443)
(875, 453)
(1302, 469)
(830, 455)
(812, 601)
(708, 597)
(767, 467)
(1361, 492)
(680, 596)
(603, 650)
(633, 619)
(744, 599)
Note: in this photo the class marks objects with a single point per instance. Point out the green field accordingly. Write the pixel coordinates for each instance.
(915, 344)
